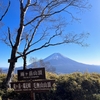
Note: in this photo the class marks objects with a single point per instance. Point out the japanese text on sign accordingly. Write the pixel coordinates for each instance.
(37, 73)
(21, 86)
(37, 86)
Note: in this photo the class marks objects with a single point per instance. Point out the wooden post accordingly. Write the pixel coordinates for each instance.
(32, 96)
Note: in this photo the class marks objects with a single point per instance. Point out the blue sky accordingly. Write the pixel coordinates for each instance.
(90, 22)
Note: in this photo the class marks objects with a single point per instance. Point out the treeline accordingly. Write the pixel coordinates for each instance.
(75, 86)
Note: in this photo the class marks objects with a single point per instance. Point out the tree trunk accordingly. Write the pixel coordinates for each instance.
(9, 75)
(12, 62)
(13, 57)
(24, 62)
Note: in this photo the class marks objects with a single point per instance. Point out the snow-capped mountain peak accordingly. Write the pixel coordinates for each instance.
(55, 56)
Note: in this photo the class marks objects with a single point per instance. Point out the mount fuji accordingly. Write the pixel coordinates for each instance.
(64, 65)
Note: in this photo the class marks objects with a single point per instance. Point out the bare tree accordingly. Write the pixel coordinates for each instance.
(47, 65)
(41, 63)
(41, 22)
(34, 62)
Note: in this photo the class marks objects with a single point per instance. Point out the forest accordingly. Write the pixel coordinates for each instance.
(74, 86)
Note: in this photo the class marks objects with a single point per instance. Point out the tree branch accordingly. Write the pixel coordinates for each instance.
(27, 4)
(9, 36)
(40, 39)
(48, 14)
(33, 3)
(5, 11)
(29, 43)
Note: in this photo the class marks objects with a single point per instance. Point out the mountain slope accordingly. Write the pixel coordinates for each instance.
(66, 65)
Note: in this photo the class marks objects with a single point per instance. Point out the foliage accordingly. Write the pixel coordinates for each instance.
(77, 86)
(74, 86)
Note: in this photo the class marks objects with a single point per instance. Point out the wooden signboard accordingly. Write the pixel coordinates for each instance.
(32, 86)
(42, 85)
(21, 86)
(29, 74)
(34, 81)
